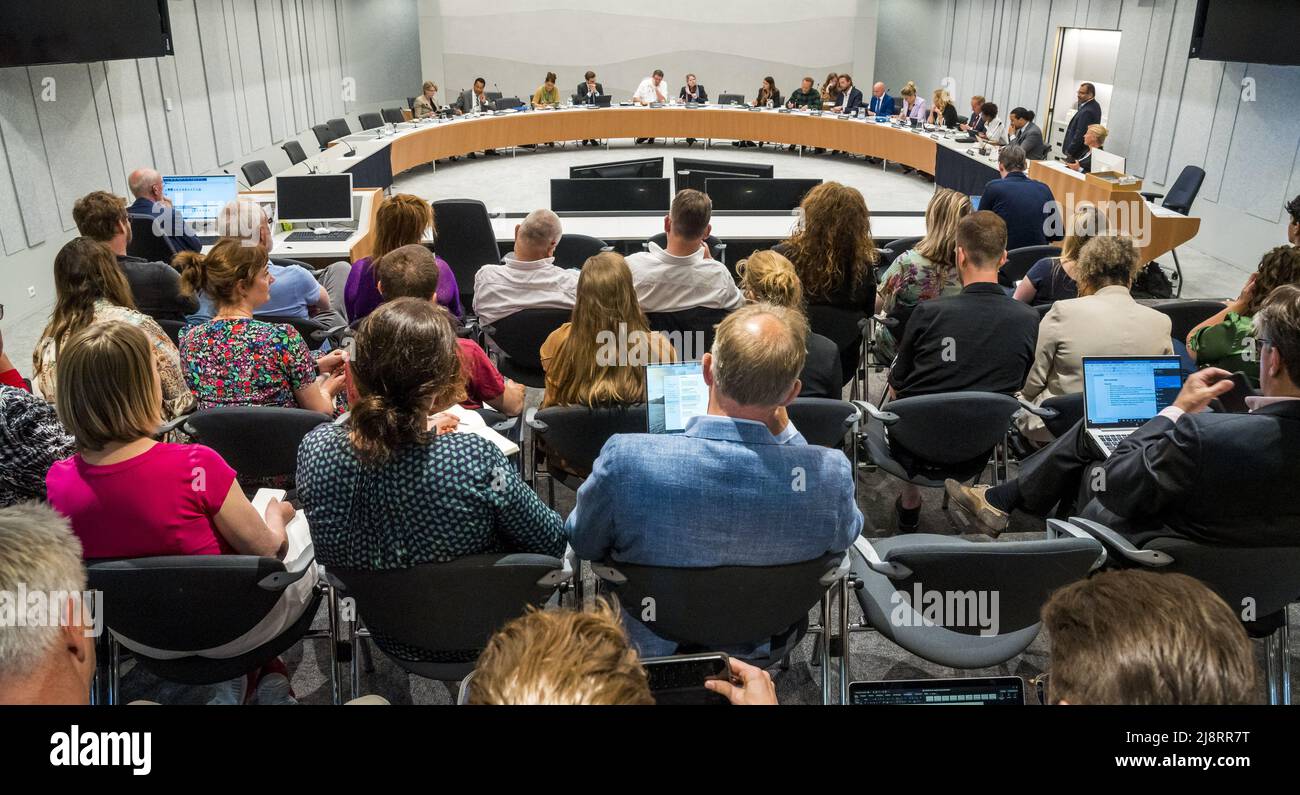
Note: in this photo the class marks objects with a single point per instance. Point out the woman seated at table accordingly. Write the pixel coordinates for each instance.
(1094, 138)
(426, 104)
(768, 97)
(925, 272)
(995, 129)
(831, 90)
(768, 277)
(89, 288)
(912, 107)
(942, 112)
(402, 220)
(236, 360)
(1052, 278)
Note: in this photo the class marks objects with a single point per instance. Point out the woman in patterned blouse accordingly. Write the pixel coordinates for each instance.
(234, 360)
(393, 488)
(89, 288)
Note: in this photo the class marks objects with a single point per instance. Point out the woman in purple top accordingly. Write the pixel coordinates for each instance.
(402, 221)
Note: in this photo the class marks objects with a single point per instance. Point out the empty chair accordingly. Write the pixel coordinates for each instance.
(506, 103)
(339, 127)
(574, 250)
(823, 421)
(1020, 260)
(255, 171)
(294, 150)
(576, 434)
(492, 96)
(690, 331)
(145, 244)
(1181, 197)
(466, 241)
(324, 135)
(517, 340)
(410, 104)
(1186, 315)
(392, 115)
(370, 121)
(259, 442)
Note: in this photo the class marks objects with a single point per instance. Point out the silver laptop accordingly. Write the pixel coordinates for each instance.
(675, 393)
(1123, 393)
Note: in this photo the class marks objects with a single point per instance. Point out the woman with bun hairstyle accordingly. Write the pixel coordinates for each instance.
(767, 277)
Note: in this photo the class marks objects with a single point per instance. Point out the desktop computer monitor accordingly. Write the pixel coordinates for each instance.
(695, 179)
(650, 168)
(1105, 161)
(610, 195)
(760, 195)
(199, 198)
(314, 197)
(748, 169)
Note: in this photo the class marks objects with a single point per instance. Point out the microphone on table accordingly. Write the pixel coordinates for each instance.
(237, 179)
(352, 151)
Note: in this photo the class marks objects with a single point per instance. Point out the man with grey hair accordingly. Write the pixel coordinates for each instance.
(47, 658)
(740, 487)
(1026, 205)
(529, 277)
(295, 292)
(147, 188)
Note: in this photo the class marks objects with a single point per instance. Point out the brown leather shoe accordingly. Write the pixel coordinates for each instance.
(974, 504)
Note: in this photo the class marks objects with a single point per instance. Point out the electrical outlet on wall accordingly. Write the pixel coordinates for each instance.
(167, 104)
(31, 292)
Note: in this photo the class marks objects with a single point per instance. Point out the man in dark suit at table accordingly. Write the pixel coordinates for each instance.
(1026, 205)
(1026, 135)
(850, 96)
(882, 104)
(146, 186)
(587, 92)
(975, 124)
(1089, 113)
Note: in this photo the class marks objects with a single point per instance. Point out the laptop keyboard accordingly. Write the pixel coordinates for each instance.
(1112, 439)
(327, 237)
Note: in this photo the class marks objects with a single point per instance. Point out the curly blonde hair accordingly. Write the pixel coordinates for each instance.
(769, 277)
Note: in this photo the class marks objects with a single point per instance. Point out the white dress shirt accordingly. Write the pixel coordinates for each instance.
(996, 132)
(502, 290)
(648, 92)
(665, 283)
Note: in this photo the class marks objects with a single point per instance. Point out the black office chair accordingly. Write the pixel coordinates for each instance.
(689, 331)
(506, 103)
(192, 603)
(410, 104)
(492, 96)
(703, 609)
(370, 121)
(1181, 197)
(517, 342)
(255, 171)
(1043, 309)
(465, 239)
(1186, 315)
(294, 150)
(447, 610)
(145, 244)
(259, 442)
(822, 421)
(1069, 411)
(392, 115)
(173, 329)
(1020, 260)
(845, 328)
(575, 435)
(897, 248)
(339, 127)
(717, 248)
(313, 332)
(574, 250)
(324, 135)
(731, 99)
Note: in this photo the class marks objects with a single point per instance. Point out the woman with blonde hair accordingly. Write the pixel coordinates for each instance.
(426, 104)
(1053, 278)
(912, 106)
(89, 288)
(832, 249)
(403, 220)
(1094, 138)
(925, 272)
(767, 277)
(942, 111)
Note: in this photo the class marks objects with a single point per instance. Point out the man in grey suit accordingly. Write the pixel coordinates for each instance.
(1026, 135)
(1089, 113)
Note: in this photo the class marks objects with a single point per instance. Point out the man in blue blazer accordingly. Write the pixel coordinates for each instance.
(1026, 205)
(882, 104)
(146, 186)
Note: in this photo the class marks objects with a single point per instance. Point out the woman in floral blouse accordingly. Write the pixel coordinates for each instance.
(89, 288)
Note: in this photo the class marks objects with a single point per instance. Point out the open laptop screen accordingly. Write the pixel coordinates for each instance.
(1127, 391)
(981, 691)
(674, 393)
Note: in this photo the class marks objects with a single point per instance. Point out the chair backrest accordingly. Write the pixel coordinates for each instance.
(899, 247)
(731, 99)
(145, 244)
(574, 250)
(520, 336)
(339, 127)
(822, 421)
(255, 171)
(1185, 315)
(1020, 260)
(258, 442)
(370, 120)
(951, 428)
(294, 150)
(464, 238)
(576, 434)
(837, 324)
(172, 327)
(506, 103)
(1069, 410)
(454, 606)
(690, 331)
(392, 115)
(1043, 309)
(323, 135)
(1269, 577)
(1182, 195)
(492, 95)
(724, 605)
(310, 329)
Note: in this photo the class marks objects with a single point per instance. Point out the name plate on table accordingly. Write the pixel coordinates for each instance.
(1114, 180)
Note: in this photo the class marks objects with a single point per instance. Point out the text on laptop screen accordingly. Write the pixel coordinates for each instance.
(1126, 392)
(674, 394)
(982, 691)
(199, 198)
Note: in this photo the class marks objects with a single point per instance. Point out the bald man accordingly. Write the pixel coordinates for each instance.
(882, 104)
(528, 277)
(740, 487)
(147, 188)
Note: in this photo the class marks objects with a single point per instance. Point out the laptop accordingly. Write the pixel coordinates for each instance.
(1123, 393)
(967, 692)
(675, 393)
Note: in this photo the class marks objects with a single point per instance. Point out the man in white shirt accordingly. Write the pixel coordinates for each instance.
(529, 279)
(683, 275)
(652, 89)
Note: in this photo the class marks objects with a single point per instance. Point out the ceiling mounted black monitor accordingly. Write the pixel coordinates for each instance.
(610, 195)
(758, 195)
(80, 31)
(649, 168)
(1247, 31)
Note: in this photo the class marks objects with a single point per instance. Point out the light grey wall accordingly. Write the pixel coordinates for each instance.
(1167, 111)
(381, 44)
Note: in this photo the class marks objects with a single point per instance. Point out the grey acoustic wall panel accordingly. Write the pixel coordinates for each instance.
(70, 133)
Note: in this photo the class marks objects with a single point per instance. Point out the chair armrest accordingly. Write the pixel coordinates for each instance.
(865, 408)
(894, 571)
(608, 573)
(530, 417)
(505, 425)
(343, 418)
(883, 320)
(568, 566)
(1039, 411)
(838, 573)
(173, 424)
(1057, 528)
(1151, 196)
(1121, 546)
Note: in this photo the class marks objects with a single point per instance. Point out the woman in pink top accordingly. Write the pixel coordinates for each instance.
(128, 495)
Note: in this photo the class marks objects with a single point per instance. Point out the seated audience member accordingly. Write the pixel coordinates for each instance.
(31, 438)
(722, 489)
(528, 277)
(1093, 138)
(925, 272)
(412, 272)
(1293, 228)
(832, 250)
(237, 360)
(1227, 339)
(570, 658)
(295, 292)
(426, 104)
(1103, 321)
(995, 130)
(155, 286)
(89, 288)
(912, 106)
(380, 490)
(979, 340)
(767, 277)
(1027, 135)
(1026, 205)
(45, 662)
(1143, 638)
(1208, 477)
(147, 187)
(402, 220)
(1052, 279)
(942, 112)
(683, 274)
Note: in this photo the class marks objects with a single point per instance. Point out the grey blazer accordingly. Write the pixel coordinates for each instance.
(1030, 138)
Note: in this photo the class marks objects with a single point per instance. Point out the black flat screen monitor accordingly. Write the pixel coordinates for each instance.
(751, 169)
(1246, 31)
(695, 179)
(771, 195)
(610, 195)
(82, 31)
(313, 197)
(650, 168)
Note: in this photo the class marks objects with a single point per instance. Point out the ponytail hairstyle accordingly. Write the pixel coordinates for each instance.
(229, 265)
(768, 277)
(85, 271)
(909, 90)
(406, 366)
